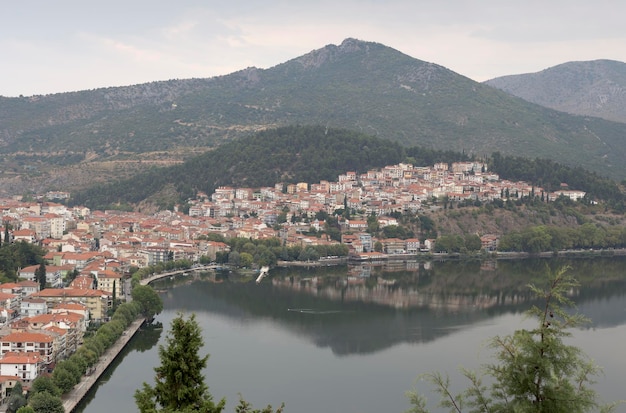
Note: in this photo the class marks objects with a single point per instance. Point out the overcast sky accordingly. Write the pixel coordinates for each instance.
(50, 46)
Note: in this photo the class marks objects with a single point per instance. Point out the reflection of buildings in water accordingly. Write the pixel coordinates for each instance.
(363, 285)
(361, 271)
(489, 265)
(365, 270)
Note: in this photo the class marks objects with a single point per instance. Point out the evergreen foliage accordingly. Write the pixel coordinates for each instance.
(40, 275)
(312, 153)
(550, 175)
(17, 255)
(179, 383)
(16, 399)
(535, 370)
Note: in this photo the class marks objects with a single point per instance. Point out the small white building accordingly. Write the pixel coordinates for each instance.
(25, 366)
(33, 306)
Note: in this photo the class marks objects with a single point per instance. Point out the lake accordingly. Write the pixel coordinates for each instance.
(354, 339)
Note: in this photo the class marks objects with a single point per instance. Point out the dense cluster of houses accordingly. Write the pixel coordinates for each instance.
(36, 332)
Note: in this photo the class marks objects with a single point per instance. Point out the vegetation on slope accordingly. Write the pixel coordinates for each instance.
(362, 86)
(310, 154)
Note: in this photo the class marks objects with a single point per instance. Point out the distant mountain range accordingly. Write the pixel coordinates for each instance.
(363, 86)
(592, 88)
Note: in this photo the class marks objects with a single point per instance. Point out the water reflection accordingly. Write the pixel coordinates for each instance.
(144, 340)
(353, 339)
(368, 308)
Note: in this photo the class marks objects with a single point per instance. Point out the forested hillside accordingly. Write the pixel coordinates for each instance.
(310, 154)
(289, 154)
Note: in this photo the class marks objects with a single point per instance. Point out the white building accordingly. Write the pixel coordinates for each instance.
(25, 366)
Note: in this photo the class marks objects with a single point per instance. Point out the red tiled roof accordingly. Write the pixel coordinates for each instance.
(24, 337)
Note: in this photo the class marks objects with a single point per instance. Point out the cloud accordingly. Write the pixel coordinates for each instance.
(125, 42)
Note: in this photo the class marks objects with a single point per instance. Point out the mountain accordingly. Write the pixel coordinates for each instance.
(592, 88)
(72, 140)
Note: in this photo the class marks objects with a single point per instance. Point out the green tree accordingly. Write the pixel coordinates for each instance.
(472, 242)
(64, 379)
(150, 304)
(378, 246)
(40, 275)
(16, 399)
(535, 370)
(44, 402)
(7, 235)
(246, 259)
(44, 383)
(179, 381)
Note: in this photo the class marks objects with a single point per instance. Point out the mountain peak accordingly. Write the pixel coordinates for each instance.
(332, 52)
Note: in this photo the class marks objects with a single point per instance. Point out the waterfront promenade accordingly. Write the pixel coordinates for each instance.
(71, 399)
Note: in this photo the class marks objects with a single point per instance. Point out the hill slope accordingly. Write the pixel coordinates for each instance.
(592, 88)
(309, 154)
(287, 154)
(358, 85)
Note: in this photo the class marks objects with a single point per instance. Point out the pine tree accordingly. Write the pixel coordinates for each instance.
(179, 380)
(536, 371)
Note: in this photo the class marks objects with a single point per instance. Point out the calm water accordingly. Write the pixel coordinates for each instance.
(355, 339)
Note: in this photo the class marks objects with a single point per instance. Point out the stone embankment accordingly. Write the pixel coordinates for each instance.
(71, 399)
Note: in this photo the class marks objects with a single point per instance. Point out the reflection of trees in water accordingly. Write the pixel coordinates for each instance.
(352, 314)
(145, 339)
(454, 284)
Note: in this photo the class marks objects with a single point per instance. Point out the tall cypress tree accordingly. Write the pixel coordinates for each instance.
(40, 275)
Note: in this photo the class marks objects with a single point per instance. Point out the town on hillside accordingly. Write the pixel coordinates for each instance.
(90, 253)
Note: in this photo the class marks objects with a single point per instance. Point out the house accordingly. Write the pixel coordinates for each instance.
(26, 235)
(38, 343)
(97, 302)
(394, 246)
(29, 287)
(53, 275)
(489, 242)
(33, 306)
(429, 245)
(83, 282)
(11, 302)
(412, 245)
(73, 307)
(11, 288)
(110, 281)
(22, 365)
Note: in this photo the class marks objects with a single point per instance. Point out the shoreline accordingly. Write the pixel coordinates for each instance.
(73, 398)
